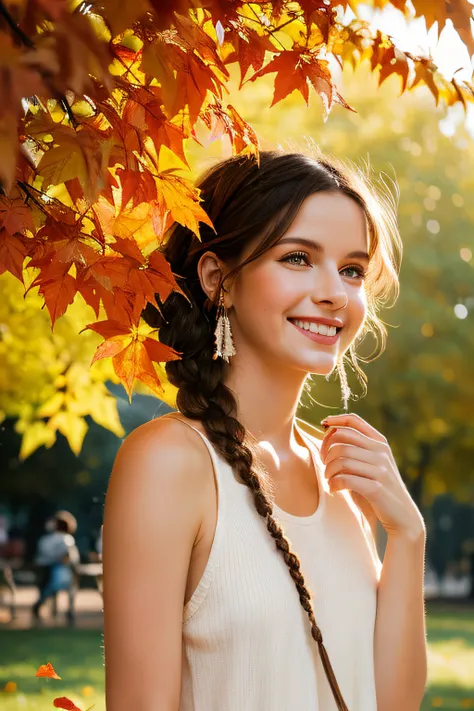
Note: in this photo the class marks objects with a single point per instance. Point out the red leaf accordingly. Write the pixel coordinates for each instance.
(62, 702)
(108, 329)
(129, 248)
(291, 75)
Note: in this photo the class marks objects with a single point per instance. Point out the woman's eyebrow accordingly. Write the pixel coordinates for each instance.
(319, 248)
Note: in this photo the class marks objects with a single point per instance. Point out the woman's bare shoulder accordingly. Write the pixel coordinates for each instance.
(164, 452)
(165, 437)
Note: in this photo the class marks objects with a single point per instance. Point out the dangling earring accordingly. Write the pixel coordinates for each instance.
(223, 335)
(346, 391)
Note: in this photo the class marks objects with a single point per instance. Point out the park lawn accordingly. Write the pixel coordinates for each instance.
(77, 656)
(450, 659)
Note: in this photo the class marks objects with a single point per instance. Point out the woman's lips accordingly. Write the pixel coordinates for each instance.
(318, 337)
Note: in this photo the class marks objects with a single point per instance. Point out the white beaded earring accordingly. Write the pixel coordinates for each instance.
(223, 334)
(346, 391)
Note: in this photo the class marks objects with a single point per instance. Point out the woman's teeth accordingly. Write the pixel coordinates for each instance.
(316, 327)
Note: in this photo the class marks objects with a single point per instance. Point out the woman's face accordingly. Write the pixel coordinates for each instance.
(299, 280)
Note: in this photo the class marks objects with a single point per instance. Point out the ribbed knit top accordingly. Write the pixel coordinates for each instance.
(247, 643)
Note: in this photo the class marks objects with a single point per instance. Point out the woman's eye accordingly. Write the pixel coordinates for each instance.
(297, 255)
(358, 270)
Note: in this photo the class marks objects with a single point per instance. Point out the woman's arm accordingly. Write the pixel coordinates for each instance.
(359, 458)
(400, 654)
(151, 521)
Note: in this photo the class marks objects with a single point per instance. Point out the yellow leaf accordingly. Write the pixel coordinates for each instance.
(180, 197)
(123, 14)
(51, 406)
(103, 410)
(36, 435)
(169, 391)
(77, 155)
(74, 428)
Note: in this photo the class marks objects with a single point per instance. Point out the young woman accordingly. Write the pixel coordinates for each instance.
(239, 573)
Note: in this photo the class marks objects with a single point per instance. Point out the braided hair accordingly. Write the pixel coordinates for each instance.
(245, 198)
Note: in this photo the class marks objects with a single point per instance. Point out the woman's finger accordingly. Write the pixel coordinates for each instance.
(352, 420)
(348, 435)
(350, 451)
(342, 466)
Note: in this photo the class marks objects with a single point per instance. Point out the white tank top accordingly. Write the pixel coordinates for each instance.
(247, 643)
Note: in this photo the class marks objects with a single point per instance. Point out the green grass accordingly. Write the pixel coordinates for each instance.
(450, 659)
(77, 656)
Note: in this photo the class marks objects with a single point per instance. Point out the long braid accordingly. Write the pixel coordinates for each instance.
(203, 396)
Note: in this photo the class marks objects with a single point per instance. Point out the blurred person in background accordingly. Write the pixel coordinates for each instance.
(56, 557)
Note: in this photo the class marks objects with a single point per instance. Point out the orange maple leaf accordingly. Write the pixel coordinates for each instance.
(143, 113)
(424, 73)
(58, 289)
(178, 202)
(459, 12)
(15, 215)
(47, 670)
(132, 354)
(137, 185)
(228, 121)
(249, 50)
(194, 78)
(296, 69)
(76, 154)
(12, 254)
(389, 60)
(129, 248)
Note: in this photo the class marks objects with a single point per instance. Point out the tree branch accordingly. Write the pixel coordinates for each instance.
(14, 27)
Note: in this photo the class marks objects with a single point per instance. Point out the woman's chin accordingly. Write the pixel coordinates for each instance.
(318, 364)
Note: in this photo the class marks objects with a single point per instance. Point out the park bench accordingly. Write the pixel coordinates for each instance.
(14, 572)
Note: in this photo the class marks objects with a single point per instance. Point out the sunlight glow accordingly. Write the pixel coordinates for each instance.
(461, 311)
(449, 52)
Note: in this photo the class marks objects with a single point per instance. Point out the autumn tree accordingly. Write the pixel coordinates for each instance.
(99, 104)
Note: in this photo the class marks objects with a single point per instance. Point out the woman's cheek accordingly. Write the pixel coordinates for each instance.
(355, 319)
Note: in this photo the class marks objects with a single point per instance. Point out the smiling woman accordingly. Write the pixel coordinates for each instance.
(305, 252)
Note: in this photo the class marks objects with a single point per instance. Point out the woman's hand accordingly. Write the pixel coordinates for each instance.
(359, 458)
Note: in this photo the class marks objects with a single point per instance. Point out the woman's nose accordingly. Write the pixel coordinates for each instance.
(328, 288)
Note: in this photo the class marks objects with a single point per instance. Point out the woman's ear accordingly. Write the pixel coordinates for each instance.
(210, 271)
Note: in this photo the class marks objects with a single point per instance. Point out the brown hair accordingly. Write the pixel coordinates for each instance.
(245, 198)
(65, 522)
